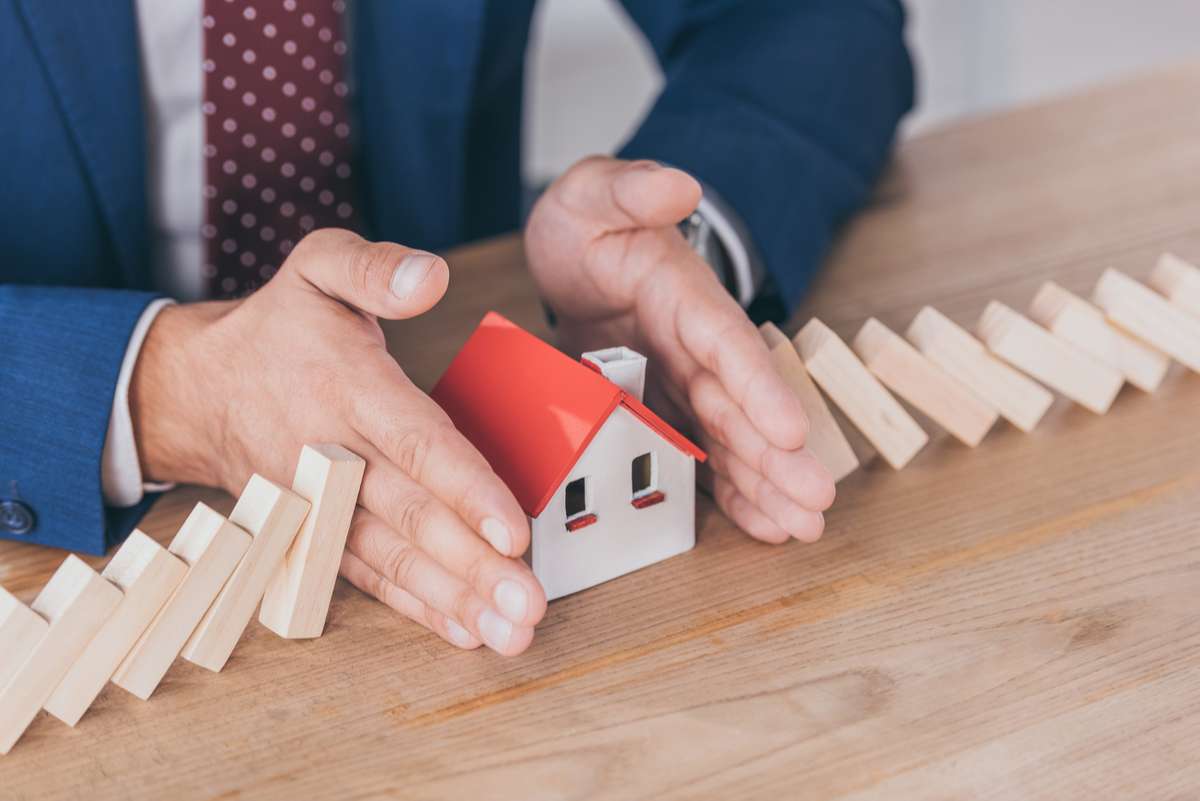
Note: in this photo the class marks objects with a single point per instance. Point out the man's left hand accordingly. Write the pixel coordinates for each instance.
(604, 249)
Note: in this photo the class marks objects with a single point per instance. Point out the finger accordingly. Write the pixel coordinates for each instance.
(417, 516)
(380, 278)
(718, 335)
(801, 523)
(402, 564)
(795, 472)
(620, 194)
(744, 515)
(413, 433)
(358, 573)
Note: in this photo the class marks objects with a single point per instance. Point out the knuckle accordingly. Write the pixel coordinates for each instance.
(432, 619)
(721, 418)
(364, 264)
(460, 607)
(398, 564)
(410, 448)
(413, 516)
(476, 569)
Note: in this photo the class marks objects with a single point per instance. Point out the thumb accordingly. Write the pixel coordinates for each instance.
(379, 278)
(630, 194)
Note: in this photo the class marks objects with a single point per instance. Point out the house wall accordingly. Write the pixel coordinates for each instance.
(623, 538)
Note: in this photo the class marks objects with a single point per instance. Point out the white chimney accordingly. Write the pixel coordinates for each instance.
(624, 367)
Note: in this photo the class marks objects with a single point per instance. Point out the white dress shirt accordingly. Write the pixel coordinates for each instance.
(171, 40)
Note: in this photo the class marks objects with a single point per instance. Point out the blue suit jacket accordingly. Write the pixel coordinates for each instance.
(786, 107)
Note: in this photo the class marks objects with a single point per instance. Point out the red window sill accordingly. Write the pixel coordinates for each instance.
(583, 521)
(649, 499)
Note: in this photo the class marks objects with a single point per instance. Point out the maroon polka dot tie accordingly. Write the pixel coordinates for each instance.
(277, 134)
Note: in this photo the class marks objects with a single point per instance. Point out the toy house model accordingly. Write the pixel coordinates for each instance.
(608, 486)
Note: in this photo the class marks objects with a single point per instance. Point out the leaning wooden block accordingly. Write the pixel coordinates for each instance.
(878, 415)
(1149, 316)
(21, 629)
(76, 602)
(922, 383)
(297, 599)
(272, 515)
(1178, 281)
(211, 547)
(1019, 399)
(147, 574)
(1074, 320)
(825, 438)
(1058, 364)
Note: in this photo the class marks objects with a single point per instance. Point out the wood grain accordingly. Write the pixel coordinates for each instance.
(1012, 621)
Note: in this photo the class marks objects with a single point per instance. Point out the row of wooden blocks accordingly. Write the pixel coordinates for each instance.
(195, 597)
(1084, 350)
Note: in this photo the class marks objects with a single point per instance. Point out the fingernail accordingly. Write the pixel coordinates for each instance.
(497, 534)
(411, 273)
(511, 599)
(495, 630)
(458, 635)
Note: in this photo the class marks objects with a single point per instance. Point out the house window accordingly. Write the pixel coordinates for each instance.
(644, 481)
(578, 502)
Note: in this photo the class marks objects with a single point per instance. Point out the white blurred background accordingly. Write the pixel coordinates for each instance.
(591, 76)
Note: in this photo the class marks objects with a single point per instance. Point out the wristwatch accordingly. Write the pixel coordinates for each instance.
(718, 235)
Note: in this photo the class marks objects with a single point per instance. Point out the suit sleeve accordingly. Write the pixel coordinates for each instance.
(788, 108)
(63, 349)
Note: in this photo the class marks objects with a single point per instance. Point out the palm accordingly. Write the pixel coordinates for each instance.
(604, 250)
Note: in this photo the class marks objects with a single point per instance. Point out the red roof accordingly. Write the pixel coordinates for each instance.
(531, 410)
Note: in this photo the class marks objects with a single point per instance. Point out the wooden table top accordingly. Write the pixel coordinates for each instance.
(1021, 620)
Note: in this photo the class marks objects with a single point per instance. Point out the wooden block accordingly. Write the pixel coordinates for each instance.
(211, 547)
(922, 383)
(297, 599)
(1074, 320)
(1178, 281)
(1149, 316)
(825, 438)
(272, 515)
(1058, 364)
(76, 602)
(1019, 399)
(147, 574)
(879, 416)
(21, 629)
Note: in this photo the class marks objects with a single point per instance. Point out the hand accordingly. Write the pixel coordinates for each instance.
(224, 389)
(604, 249)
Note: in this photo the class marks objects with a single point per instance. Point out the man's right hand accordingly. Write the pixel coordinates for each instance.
(225, 389)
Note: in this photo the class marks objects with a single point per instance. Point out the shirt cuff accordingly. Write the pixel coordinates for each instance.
(120, 471)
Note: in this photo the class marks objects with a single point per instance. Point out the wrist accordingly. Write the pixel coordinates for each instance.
(173, 404)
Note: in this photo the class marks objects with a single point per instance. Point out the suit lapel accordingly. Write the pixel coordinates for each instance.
(90, 52)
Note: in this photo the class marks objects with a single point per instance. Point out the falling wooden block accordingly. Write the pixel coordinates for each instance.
(297, 599)
(1149, 316)
(76, 602)
(21, 629)
(1019, 399)
(272, 515)
(147, 574)
(825, 438)
(922, 383)
(1074, 320)
(211, 547)
(1058, 364)
(879, 416)
(1179, 281)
